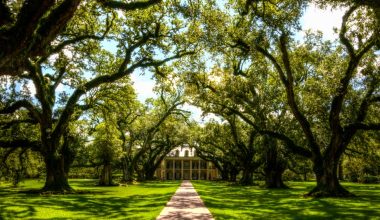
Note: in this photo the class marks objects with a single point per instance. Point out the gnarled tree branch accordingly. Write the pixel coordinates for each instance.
(129, 6)
(22, 143)
(22, 104)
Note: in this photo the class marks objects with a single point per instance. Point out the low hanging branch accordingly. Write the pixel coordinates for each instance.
(37, 24)
(80, 38)
(22, 104)
(129, 6)
(290, 144)
(368, 99)
(22, 143)
(123, 71)
(9, 124)
(286, 77)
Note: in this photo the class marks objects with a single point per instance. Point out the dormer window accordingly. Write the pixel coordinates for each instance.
(177, 153)
(186, 153)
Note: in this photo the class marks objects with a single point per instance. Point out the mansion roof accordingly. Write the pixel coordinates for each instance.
(182, 151)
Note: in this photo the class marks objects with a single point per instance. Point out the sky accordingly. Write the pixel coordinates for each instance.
(323, 20)
(313, 19)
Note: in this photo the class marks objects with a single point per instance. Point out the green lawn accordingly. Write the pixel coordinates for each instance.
(146, 200)
(140, 201)
(238, 202)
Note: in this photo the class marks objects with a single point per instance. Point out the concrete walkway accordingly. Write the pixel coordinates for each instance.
(185, 204)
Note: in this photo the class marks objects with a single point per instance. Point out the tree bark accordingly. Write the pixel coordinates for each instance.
(305, 176)
(56, 175)
(148, 170)
(274, 166)
(224, 174)
(67, 151)
(223, 168)
(248, 166)
(233, 172)
(106, 175)
(127, 172)
(326, 171)
(140, 176)
(247, 178)
(340, 169)
(273, 174)
(273, 179)
(149, 174)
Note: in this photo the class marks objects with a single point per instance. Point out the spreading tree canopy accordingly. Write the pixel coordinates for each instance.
(316, 98)
(79, 62)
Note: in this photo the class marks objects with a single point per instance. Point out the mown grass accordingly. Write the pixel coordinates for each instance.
(227, 201)
(139, 201)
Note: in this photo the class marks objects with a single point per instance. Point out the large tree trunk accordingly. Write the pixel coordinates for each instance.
(56, 175)
(57, 162)
(304, 173)
(248, 167)
(233, 174)
(326, 171)
(67, 152)
(340, 169)
(140, 175)
(151, 166)
(223, 169)
(149, 173)
(247, 178)
(106, 175)
(224, 174)
(274, 166)
(273, 179)
(128, 172)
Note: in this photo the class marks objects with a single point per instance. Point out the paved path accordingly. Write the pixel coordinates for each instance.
(185, 205)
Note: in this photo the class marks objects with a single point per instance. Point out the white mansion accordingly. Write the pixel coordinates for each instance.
(183, 164)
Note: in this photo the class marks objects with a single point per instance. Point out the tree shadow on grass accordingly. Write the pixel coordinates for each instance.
(84, 182)
(158, 184)
(105, 203)
(232, 202)
(83, 205)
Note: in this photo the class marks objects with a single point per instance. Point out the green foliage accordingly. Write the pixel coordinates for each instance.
(20, 164)
(361, 161)
(362, 169)
(75, 69)
(106, 144)
(81, 172)
(314, 95)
